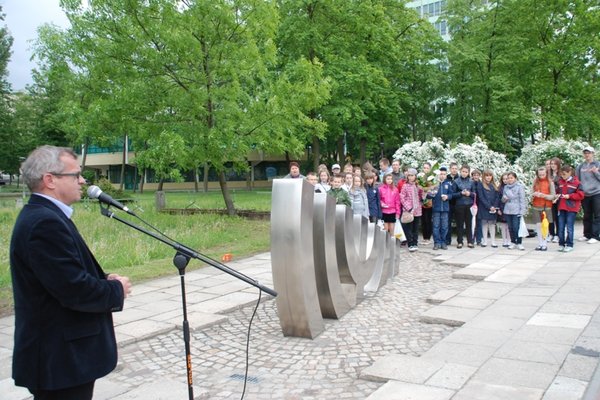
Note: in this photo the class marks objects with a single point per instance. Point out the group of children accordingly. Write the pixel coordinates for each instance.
(474, 200)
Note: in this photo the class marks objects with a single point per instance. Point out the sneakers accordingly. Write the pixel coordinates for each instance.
(541, 248)
(425, 242)
(494, 245)
(561, 248)
(583, 239)
(436, 246)
(520, 247)
(413, 248)
(511, 246)
(568, 249)
(592, 241)
(555, 239)
(459, 246)
(470, 245)
(444, 247)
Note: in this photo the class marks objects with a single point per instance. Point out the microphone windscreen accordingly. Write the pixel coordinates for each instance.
(94, 192)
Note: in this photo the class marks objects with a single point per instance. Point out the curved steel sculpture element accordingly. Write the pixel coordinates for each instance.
(292, 258)
(335, 296)
(376, 244)
(323, 257)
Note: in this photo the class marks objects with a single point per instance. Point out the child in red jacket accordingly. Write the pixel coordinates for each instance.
(568, 196)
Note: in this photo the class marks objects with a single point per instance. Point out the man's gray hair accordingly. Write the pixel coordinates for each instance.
(42, 160)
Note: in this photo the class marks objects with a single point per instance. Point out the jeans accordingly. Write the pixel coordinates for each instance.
(411, 231)
(464, 223)
(513, 222)
(440, 227)
(451, 216)
(591, 216)
(566, 219)
(553, 227)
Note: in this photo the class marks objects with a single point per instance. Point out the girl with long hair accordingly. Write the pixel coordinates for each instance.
(488, 199)
(554, 175)
(544, 193)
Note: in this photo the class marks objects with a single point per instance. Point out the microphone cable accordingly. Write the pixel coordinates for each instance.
(247, 361)
(248, 344)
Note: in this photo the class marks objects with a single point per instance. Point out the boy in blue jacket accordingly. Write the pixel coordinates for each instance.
(441, 195)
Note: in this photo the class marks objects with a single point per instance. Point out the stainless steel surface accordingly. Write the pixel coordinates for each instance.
(376, 240)
(324, 257)
(292, 258)
(332, 295)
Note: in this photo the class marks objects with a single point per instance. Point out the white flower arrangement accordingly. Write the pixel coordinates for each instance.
(534, 156)
(476, 155)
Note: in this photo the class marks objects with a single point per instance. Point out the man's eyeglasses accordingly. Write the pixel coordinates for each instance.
(76, 175)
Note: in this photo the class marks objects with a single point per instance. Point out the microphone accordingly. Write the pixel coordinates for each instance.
(94, 192)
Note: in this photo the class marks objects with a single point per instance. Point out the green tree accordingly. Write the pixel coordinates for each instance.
(8, 160)
(368, 50)
(204, 71)
(523, 71)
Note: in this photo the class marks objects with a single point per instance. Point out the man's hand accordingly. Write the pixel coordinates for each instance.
(124, 282)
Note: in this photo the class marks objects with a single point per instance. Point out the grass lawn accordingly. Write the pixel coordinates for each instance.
(126, 251)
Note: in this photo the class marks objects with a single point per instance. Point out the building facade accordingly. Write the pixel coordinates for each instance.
(108, 162)
(433, 11)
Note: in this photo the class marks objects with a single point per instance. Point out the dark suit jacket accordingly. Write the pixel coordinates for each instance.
(64, 333)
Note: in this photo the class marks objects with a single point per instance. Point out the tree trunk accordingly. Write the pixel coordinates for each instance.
(226, 195)
(521, 139)
(135, 178)
(85, 151)
(363, 151)
(142, 180)
(340, 149)
(249, 176)
(205, 178)
(414, 129)
(160, 185)
(196, 179)
(316, 147)
(122, 178)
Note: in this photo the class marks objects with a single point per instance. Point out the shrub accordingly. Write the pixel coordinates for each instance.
(535, 155)
(476, 155)
(107, 187)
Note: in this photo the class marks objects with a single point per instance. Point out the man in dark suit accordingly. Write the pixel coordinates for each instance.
(64, 335)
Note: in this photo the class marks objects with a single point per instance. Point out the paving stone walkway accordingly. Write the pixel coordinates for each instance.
(151, 365)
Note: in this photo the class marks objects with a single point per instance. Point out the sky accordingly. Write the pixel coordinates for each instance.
(22, 17)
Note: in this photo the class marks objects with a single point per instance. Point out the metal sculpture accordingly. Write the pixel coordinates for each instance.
(323, 256)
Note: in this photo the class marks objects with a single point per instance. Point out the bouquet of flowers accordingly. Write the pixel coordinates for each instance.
(428, 180)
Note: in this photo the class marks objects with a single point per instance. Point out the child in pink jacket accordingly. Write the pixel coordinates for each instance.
(390, 202)
(411, 198)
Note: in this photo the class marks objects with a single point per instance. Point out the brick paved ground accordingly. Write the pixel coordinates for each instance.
(290, 368)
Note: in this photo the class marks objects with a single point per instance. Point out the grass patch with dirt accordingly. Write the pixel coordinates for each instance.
(126, 251)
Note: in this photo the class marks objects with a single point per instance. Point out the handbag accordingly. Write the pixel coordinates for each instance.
(399, 232)
(523, 231)
(407, 217)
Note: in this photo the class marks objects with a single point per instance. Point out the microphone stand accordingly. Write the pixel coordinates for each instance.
(181, 260)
